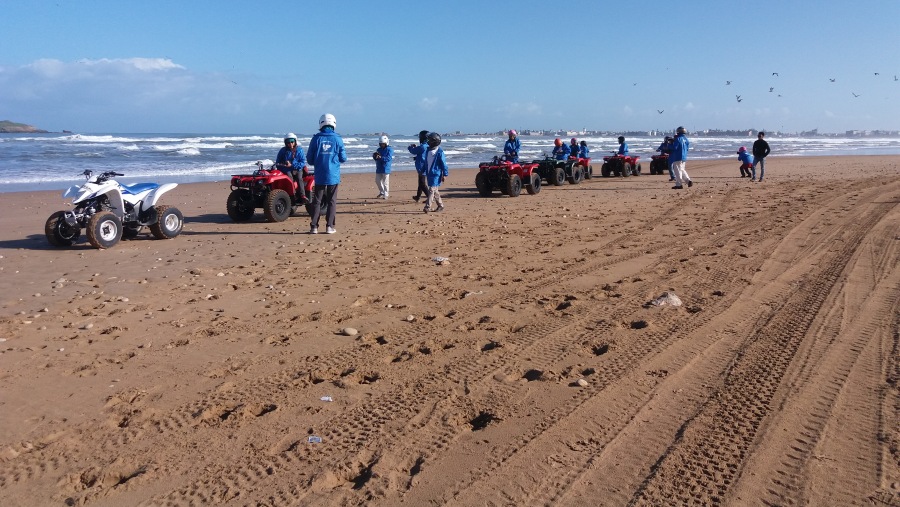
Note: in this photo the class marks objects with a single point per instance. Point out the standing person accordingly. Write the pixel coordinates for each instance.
(680, 147)
(561, 150)
(326, 153)
(512, 146)
(623, 147)
(665, 148)
(435, 171)
(383, 157)
(746, 161)
(291, 161)
(419, 150)
(583, 151)
(760, 152)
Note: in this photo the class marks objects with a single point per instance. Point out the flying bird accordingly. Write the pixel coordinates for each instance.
(633, 84)
(831, 79)
(876, 73)
(738, 98)
(855, 95)
(660, 111)
(727, 83)
(774, 73)
(771, 89)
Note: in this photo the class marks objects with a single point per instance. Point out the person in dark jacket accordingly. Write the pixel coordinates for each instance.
(291, 161)
(760, 152)
(419, 151)
(326, 154)
(574, 148)
(665, 148)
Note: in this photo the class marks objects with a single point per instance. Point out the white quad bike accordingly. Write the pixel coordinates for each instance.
(110, 211)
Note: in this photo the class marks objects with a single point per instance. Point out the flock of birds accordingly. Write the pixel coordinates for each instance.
(772, 88)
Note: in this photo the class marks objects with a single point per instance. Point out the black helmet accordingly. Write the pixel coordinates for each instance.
(584, 143)
(621, 138)
(680, 130)
(669, 138)
(422, 136)
(434, 140)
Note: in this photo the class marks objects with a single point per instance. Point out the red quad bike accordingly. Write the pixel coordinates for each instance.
(557, 172)
(270, 189)
(659, 164)
(506, 176)
(620, 165)
(586, 168)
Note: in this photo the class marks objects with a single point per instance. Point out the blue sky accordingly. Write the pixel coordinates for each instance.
(476, 66)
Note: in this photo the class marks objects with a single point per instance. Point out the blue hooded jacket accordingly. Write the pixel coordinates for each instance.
(584, 152)
(511, 149)
(561, 152)
(298, 160)
(419, 151)
(383, 164)
(745, 157)
(680, 148)
(437, 170)
(623, 149)
(326, 153)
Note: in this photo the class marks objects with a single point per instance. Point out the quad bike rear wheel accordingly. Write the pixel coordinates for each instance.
(59, 232)
(240, 205)
(104, 229)
(535, 186)
(168, 224)
(483, 185)
(278, 206)
(514, 185)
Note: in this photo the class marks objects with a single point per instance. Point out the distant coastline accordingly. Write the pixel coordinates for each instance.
(11, 127)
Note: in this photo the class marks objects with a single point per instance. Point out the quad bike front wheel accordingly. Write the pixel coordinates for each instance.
(278, 206)
(605, 171)
(626, 170)
(588, 172)
(577, 175)
(514, 185)
(535, 186)
(104, 230)
(169, 222)
(558, 176)
(482, 183)
(59, 232)
(240, 205)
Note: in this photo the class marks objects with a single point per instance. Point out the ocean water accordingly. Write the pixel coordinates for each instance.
(55, 161)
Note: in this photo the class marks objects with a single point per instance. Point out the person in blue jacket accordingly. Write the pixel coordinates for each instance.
(665, 148)
(560, 149)
(419, 151)
(583, 151)
(291, 161)
(383, 157)
(746, 161)
(512, 146)
(574, 148)
(678, 156)
(435, 171)
(623, 147)
(325, 154)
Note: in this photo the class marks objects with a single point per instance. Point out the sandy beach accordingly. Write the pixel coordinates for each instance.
(526, 368)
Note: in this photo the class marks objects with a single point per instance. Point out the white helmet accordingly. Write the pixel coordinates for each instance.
(290, 135)
(384, 140)
(327, 120)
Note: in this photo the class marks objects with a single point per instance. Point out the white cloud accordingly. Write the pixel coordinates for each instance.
(428, 103)
(689, 106)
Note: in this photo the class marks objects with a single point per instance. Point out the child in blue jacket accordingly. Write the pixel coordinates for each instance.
(746, 162)
(383, 157)
(435, 171)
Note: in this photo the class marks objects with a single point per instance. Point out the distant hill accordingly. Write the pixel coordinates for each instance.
(9, 127)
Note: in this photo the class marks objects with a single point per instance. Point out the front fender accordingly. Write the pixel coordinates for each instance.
(152, 198)
(115, 202)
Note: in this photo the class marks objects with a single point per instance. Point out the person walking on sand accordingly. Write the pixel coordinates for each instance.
(512, 147)
(760, 152)
(435, 171)
(419, 151)
(383, 157)
(746, 161)
(325, 154)
(680, 147)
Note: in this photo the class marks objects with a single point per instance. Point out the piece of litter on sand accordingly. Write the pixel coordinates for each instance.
(326, 398)
(439, 259)
(312, 439)
(667, 299)
(470, 293)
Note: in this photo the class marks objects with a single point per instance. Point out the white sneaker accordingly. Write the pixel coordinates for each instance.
(314, 230)
(330, 230)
